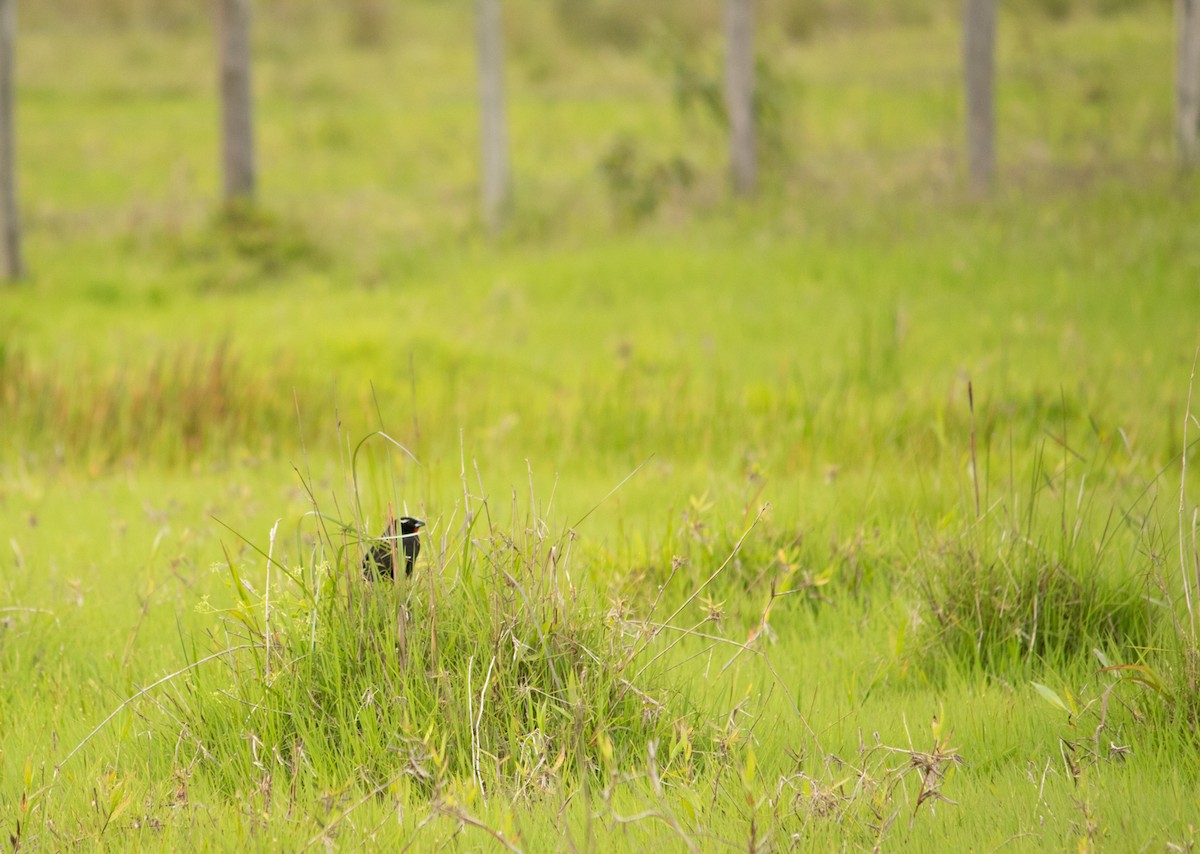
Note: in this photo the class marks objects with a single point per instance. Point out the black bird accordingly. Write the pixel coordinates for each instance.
(379, 559)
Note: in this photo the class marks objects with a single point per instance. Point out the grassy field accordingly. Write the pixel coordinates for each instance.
(855, 517)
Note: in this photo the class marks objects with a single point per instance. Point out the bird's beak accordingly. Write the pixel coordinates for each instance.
(419, 524)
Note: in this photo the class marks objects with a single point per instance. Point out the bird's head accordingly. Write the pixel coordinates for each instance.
(409, 526)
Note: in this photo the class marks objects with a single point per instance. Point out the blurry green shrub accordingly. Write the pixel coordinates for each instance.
(697, 87)
(245, 246)
(637, 183)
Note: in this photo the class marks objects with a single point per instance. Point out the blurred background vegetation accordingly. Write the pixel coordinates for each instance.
(354, 265)
(616, 108)
(620, 23)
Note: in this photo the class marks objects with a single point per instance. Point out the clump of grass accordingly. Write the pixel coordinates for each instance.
(487, 669)
(1146, 689)
(1017, 586)
(1024, 604)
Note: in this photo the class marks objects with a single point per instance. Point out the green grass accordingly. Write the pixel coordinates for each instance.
(705, 565)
